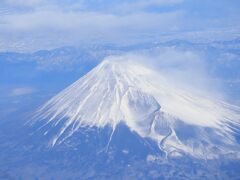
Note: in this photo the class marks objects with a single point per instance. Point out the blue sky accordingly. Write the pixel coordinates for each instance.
(43, 24)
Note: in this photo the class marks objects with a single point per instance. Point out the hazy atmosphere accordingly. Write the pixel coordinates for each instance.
(122, 89)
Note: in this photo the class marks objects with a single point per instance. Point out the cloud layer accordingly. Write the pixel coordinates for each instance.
(37, 24)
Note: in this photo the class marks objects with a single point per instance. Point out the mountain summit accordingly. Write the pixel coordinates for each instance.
(117, 91)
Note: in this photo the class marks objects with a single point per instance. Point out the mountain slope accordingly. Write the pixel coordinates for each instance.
(179, 121)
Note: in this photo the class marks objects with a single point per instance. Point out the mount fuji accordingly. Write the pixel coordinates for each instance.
(124, 119)
(128, 99)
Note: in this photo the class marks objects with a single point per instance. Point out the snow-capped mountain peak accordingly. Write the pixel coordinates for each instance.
(124, 91)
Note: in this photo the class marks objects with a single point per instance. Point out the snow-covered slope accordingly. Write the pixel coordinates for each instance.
(117, 91)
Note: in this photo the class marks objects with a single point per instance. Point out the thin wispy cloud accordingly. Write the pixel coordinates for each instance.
(19, 91)
(27, 3)
(184, 68)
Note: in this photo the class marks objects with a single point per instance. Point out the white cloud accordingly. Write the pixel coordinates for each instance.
(45, 24)
(61, 20)
(183, 68)
(76, 27)
(21, 91)
(28, 3)
(161, 2)
(143, 4)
